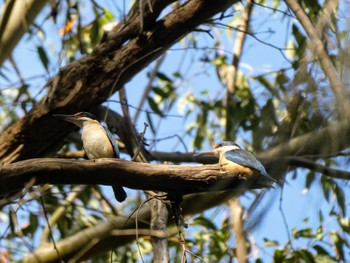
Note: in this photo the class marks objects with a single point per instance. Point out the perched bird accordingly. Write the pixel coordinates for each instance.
(236, 160)
(98, 142)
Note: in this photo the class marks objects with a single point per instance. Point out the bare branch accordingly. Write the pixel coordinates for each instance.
(173, 179)
(236, 211)
(333, 138)
(312, 165)
(159, 221)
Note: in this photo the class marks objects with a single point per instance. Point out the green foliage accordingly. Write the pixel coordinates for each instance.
(211, 242)
(43, 57)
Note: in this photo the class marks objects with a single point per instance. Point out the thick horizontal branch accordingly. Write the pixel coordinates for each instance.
(173, 179)
(270, 164)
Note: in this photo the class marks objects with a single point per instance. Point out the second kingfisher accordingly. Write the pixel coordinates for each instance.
(238, 161)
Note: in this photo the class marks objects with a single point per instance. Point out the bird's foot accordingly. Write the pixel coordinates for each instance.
(159, 196)
(222, 171)
(242, 177)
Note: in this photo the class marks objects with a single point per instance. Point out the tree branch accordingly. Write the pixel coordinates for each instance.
(173, 179)
(312, 165)
(236, 211)
(333, 138)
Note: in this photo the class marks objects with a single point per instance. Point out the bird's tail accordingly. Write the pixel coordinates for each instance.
(264, 182)
(119, 193)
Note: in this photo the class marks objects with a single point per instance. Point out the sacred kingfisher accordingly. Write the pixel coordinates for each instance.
(98, 142)
(238, 161)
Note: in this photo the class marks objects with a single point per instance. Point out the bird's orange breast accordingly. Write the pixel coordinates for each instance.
(235, 168)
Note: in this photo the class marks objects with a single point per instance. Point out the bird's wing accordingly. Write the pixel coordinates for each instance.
(113, 142)
(118, 191)
(246, 159)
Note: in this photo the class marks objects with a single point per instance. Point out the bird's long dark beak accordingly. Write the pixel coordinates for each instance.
(69, 118)
(211, 153)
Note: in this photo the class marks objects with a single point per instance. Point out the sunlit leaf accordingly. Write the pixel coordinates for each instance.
(344, 222)
(290, 52)
(307, 233)
(154, 106)
(270, 243)
(319, 233)
(160, 92)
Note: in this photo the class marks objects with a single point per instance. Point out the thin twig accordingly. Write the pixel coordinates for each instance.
(14, 65)
(175, 206)
(204, 31)
(148, 87)
(50, 230)
(147, 111)
(102, 197)
(196, 256)
(287, 13)
(311, 165)
(137, 226)
(259, 40)
(284, 217)
(142, 140)
(136, 210)
(170, 137)
(83, 251)
(124, 70)
(133, 138)
(60, 211)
